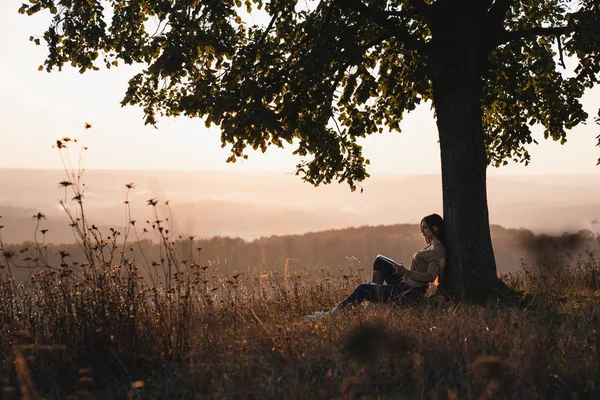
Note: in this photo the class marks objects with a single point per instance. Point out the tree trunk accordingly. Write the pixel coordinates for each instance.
(471, 268)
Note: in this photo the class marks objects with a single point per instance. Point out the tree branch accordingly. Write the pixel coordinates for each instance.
(494, 20)
(560, 52)
(533, 32)
(269, 27)
(498, 11)
(416, 8)
(381, 18)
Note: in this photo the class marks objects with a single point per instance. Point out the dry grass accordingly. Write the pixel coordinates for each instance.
(112, 326)
(67, 336)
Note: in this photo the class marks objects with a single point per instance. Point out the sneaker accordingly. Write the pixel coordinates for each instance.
(318, 315)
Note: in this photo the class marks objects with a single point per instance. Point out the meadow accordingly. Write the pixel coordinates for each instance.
(117, 325)
(111, 322)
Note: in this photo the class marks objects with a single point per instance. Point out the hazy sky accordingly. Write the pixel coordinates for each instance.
(36, 108)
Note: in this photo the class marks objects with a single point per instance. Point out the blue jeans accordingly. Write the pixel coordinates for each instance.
(393, 291)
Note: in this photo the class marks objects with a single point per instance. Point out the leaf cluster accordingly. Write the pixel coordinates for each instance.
(524, 85)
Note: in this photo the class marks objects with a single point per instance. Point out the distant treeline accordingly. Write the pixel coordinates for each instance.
(339, 251)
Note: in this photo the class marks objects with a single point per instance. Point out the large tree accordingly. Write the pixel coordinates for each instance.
(320, 74)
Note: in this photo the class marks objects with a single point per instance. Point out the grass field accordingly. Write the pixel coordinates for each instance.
(115, 325)
(75, 332)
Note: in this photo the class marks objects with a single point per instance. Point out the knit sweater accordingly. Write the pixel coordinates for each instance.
(425, 266)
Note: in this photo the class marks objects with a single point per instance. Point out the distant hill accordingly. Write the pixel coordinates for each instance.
(253, 204)
(335, 251)
(18, 226)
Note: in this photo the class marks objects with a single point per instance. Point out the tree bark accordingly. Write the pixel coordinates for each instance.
(471, 268)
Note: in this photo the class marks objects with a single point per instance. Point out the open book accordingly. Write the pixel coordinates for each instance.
(387, 259)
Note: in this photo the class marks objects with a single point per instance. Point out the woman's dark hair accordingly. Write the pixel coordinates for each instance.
(435, 220)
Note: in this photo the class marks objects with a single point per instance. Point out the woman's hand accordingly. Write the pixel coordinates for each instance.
(400, 270)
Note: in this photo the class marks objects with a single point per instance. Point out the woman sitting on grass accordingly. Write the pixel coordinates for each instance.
(394, 283)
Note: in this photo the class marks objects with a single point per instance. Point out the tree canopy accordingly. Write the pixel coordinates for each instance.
(321, 74)
(328, 72)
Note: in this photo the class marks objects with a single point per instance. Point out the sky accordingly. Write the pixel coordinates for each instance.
(37, 108)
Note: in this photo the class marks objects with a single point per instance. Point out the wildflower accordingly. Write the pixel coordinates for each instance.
(63, 253)
(38, 216)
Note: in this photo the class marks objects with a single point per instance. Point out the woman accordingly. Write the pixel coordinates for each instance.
(401, 285)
